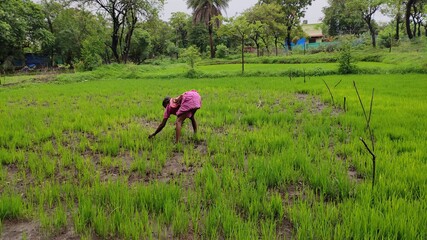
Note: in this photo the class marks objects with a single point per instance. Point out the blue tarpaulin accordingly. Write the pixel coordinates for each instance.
(37, 60)
(301, 41)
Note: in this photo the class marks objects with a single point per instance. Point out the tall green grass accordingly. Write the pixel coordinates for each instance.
(271, 159)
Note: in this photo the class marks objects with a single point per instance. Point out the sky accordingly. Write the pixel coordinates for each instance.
(313, 14)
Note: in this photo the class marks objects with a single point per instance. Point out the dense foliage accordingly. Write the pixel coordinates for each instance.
(84, 34)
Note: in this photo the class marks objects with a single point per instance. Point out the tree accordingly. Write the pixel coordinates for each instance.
(367, 9)
(409, 6)
(340, 20)
(180, 23)
(160, 35)
(141, 46)
(191, 56)
(198, 37)
(71, 27)
(205, 11)
(239, 27)
(394, 8)
(415, 11)
(51, 10)
(418, 16)
(271, 25)
(257, 29)
(293, 11)
(124, 15)
(22, 29)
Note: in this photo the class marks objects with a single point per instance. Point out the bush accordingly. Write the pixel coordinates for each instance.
(192, 73)
(346, 60)
(221, 51)
(191, 56)
(91, 59)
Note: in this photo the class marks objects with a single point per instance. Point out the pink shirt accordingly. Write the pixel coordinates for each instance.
(191, 100)
(169, 111)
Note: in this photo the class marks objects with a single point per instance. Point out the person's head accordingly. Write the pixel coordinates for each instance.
(166, 101)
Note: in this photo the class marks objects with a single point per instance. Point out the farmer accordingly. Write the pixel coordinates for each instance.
(184, 106)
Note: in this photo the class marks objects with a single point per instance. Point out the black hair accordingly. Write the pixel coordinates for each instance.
(166, 101)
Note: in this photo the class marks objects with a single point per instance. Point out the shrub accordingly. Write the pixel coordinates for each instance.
(191, 73)
(191, 56)
(346, 60)
(90, 60)
(221, 51)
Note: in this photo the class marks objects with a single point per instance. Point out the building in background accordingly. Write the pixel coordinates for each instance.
(313, 31)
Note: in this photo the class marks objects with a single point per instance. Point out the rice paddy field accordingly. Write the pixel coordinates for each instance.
(274, 158)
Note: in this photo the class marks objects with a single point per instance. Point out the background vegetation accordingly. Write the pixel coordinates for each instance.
(84, 34)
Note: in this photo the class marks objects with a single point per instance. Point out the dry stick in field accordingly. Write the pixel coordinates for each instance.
(304, 75)
(373, 161)
(344, 103)
(338, 83)
(371, 135)
(333, 103)
(369, 121)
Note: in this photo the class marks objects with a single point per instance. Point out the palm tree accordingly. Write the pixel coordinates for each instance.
(204, 11)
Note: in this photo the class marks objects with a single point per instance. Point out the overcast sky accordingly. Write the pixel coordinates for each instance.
(312, 15)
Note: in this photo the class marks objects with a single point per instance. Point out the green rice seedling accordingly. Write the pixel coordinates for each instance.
(209, 183)
(180, 221)
(102, 225)
(268, 229)
(139, 164)
(55, 222)
(169, 209)
(212, 223)
(274, 207)
(11, 206)
(3, 175)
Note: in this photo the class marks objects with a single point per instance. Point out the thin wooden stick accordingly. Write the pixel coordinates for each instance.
(369, 122)
(304, 75)
(373, 161)
(338, 83)
(333, 103)
(370, 109)
(371, 134)
(360, 100)
(344, 103)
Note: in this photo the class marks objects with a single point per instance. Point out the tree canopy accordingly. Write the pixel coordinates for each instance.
(88, 33)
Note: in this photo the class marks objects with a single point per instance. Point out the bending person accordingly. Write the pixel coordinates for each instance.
(184, 106)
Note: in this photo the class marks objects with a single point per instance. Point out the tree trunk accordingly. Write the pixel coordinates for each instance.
(397, 37)
(372, 31)
(275, 45)
(409, 5)
(211, 40)
(414, 31)
(257, 46)
(266, 45)
(368, 20)
(243, 55)
(257, 49)
(128, 37)
(115, 39)
(288, 39)
(52, 55)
